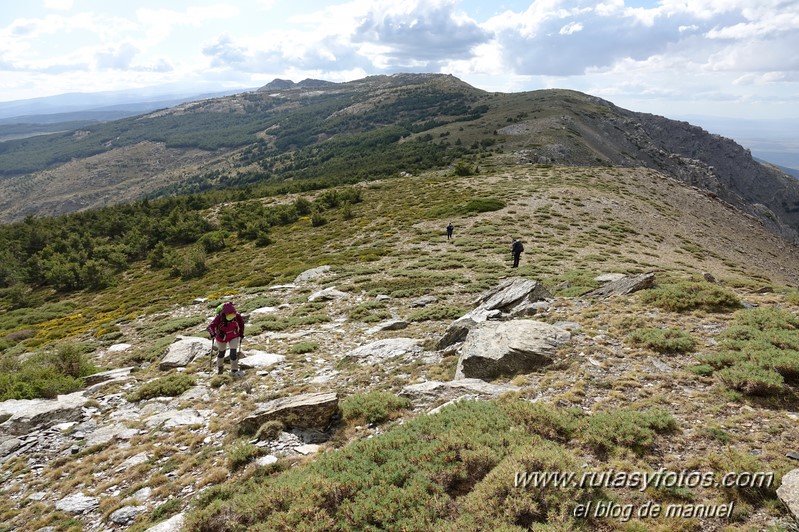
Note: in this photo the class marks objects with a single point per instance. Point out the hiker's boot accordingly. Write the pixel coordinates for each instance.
(220, 365)
(234, 366)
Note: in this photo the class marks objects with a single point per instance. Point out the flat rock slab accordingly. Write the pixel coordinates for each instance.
(391, 325)
(328, 294)
(508, 348)
(260, 359)
(381, 350)
(448, 390)
(624, 286)
(183, 350)
(307, 411)
(788, 492)
(25, 415)
(512, 292)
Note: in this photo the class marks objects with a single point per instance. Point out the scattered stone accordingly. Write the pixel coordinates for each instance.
(278, 287)
(391, 325)
(624, 286)
(108, 433)
(381, 350)
(133, 461)
(313, 410)
(708, 277)
(788, 492)
(77, 504)
(509, 348)
(126, 514)
(260, 359)
(382, 297)
(9, 445)
(570, 326)
(183, 350)
(24, 415)
(312, 274)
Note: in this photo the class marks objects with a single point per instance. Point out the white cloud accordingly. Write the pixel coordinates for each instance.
(59, 5)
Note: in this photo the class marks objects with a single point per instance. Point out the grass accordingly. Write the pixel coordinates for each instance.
(692, 295)
(662, 340)
(373, 407)
(169, 386)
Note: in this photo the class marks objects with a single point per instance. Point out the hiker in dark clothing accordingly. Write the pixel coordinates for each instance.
(449, 231)
(516, 249)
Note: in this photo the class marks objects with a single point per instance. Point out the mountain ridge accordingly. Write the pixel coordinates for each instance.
(302, 131)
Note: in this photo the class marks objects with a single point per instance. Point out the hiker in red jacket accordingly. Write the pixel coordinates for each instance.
(227, 332)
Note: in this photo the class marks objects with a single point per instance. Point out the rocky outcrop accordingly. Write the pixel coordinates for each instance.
(24, 415)
(507, 348)
(260, 359)
(624, 286)
(328, 294)
(184, 350)
(513, 298)
(309, 411)
(390, 325)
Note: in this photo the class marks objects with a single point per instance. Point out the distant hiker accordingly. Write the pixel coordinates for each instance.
(449, 231)
(516, 249)
(227, 332)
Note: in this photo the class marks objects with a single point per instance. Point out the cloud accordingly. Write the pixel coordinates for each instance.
(59, 5)
(399, 34)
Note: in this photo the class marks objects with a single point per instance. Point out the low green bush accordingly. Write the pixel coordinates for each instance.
(240, 453)
(304, 347)
(372, 407)
(662, 340)
(45, 375)
(687, 295)
(169, 386)
(632, 429)
(437, 313)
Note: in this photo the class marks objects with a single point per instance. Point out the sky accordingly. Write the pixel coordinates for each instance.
(724, 58)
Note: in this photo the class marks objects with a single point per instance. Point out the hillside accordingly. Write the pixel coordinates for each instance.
(687, 375)
(373, 128)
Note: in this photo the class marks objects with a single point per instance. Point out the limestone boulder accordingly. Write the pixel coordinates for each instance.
(255, 359)
(183, 350)
(508, 348)
(307, 411)
(312, 274)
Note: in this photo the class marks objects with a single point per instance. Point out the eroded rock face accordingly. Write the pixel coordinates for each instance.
(307, 411)
(507, 348)
(380, 350)
(432, 391)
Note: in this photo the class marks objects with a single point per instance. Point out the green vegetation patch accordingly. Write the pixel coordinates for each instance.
(45, 375)
(373, 407)
(662, 340)
(169, 386)
(481, 205)
(461, 469)
(689, 295)
(759, 352)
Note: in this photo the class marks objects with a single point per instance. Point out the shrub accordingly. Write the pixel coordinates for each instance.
(213, 241)
(751, 379)
(683, 296)
(169, 386)
(436, 313)
(304, 347)
(373, 407)
(634, 430)
(270, 430)
(662, 340)
(46, 375)
(482, 205)
(241, 453)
